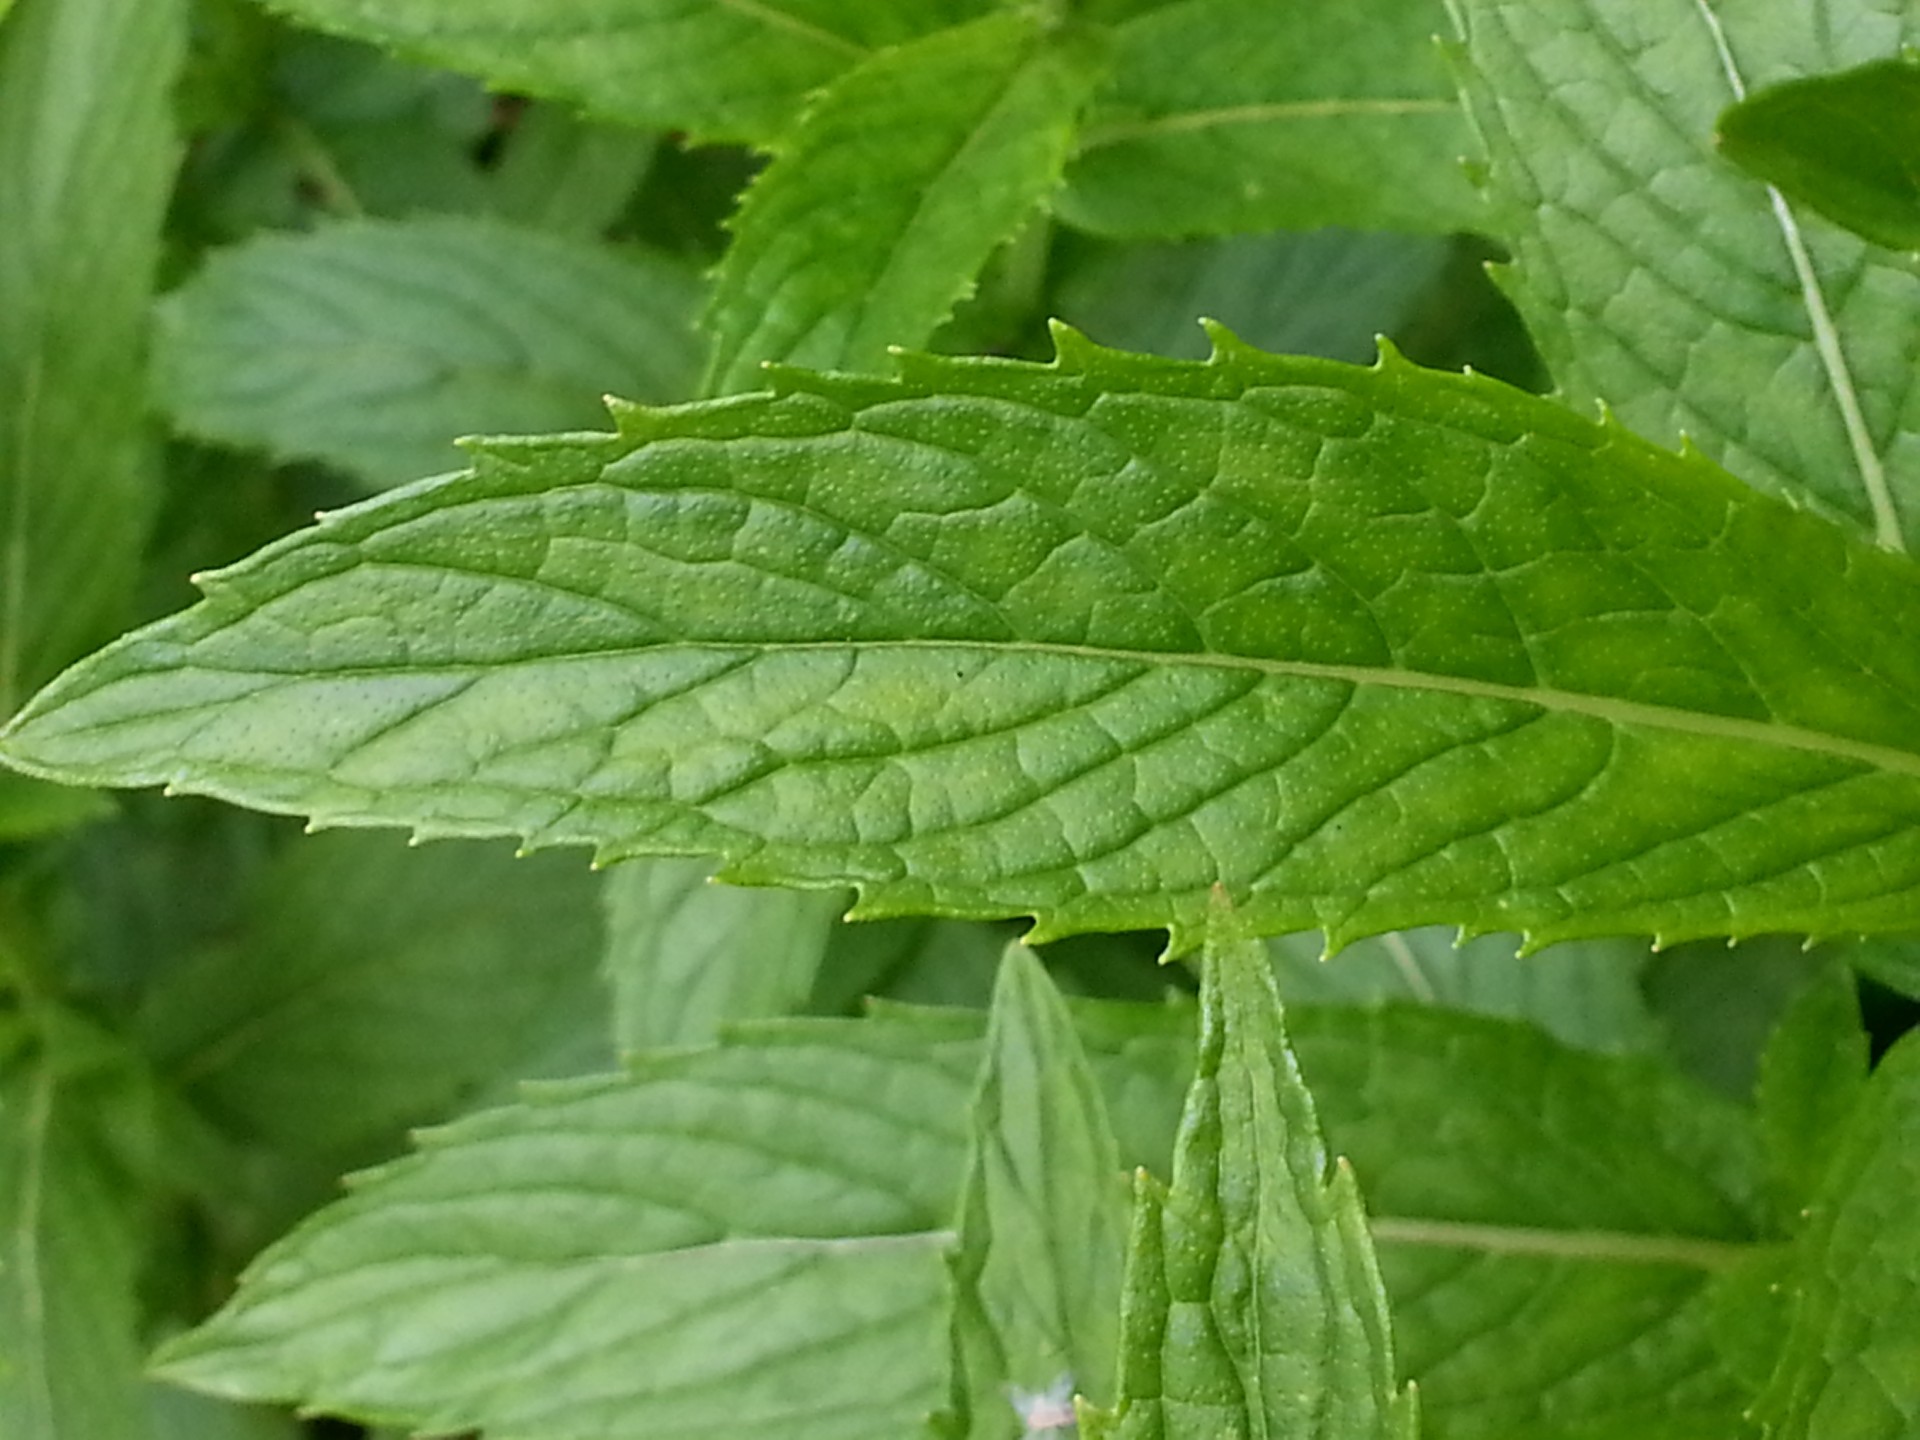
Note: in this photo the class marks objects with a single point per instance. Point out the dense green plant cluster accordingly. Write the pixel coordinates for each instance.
(1385, 870)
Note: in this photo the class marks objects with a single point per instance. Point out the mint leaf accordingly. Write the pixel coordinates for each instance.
(411, 981)
(375, 344)
(1585, 993)
(1373, 648)
(685, 957)
(1846, 145)
(1252, 1302)
(1811, 1076)
(657, 1253)
(69, 1244)
(721, 69)
(1658, 279)
(1894, 962)
(566, 175)
(87, 154)
(1225, 115)
(884, 202)
(1551, 1224)
(1327, 292)
(1848, 1368)
(1042, 1215)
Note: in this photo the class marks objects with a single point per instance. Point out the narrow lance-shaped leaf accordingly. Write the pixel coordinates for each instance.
(1850, 1368)
(86, 162)
(722, 69)
(1238, 115)
(1042, 1218)
(1371, 648)
(1253, 1306)
(884, 202)
(1659, 279)
(1848, 145)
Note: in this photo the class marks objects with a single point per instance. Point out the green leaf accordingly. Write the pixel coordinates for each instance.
(1551, 1224)
(1811, 1076)
(662, 1253)
(87, 154)
(1893, 962)
(410, 980)
(722, 69)
(1561, 1233)
(1846, 145)
(1253, 1305)
(376, 344)
(566, 175)
(685, 957)
(1225, 115)
(1851, 1366)
(69, 1243)
(1586, 993)
(1658, 279)
(1371, 648)
(1042, 1215)
(1329, 292)
(881, 206)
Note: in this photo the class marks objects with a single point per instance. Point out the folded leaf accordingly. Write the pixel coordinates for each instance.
(1236, 115)
(375, 345)
(1848, 145)
(1371, 648)
(723, 69)
(1850, 1369)
(657, 1253)
(1252, 1305)
(87, 154)
(884, 202)
(1042, 1216)
(1659, 280)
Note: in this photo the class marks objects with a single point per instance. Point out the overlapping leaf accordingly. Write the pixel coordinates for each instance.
(1225, 115)
(1848, 145)
(660, 1252)
(723, 69)
(1848, 1370)
(1371, 648)
(369, 988)
(882, 205)
(86, 160)
(376, 344)
(1658, 278)
(685, 957)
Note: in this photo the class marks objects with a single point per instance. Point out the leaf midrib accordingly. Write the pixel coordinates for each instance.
(1597, 1246)
(1099, 137)
(1609, 709)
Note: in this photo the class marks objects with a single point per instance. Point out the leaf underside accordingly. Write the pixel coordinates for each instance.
(1370, 648)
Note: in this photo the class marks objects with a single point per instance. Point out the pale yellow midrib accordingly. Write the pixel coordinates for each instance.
(1598, 1246)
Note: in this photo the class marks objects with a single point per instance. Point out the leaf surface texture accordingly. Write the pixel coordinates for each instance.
(1371, 648)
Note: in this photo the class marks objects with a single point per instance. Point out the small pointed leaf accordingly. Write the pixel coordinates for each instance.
(1253, 1305)
(884, 202)
(1042, 1214)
